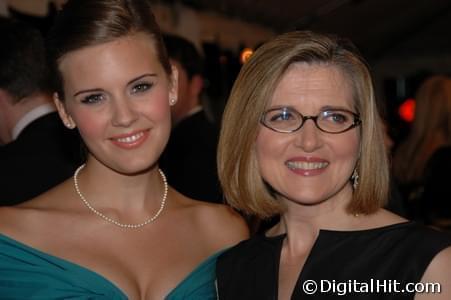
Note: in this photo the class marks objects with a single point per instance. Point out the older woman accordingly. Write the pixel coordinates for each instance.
(308, 145)
(115, 230)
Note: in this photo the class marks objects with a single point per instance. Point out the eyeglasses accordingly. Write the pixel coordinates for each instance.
(287, 119)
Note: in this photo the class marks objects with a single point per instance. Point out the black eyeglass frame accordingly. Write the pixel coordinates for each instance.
(357, 121)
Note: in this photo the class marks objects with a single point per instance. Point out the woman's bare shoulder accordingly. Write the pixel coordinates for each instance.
(223, 224)
(438, 272)
(17, 221)
(34, 213)
(212, 218)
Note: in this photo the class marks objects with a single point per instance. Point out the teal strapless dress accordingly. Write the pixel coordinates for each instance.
(27, 273)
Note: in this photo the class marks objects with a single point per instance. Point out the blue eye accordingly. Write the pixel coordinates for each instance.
(141, 87)
(282, 115)
(92, 99)
(338, 117)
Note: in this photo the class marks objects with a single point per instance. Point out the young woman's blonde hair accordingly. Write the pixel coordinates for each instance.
(430, 129)
(243, 186)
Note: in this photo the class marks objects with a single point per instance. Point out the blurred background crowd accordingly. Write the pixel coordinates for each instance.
(406, 44)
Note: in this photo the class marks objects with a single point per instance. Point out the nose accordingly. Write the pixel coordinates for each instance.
(308, 137)
(124, 114)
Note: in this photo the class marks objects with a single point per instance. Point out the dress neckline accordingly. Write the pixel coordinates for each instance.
(277, 241)
(97, 275)
(358, 231)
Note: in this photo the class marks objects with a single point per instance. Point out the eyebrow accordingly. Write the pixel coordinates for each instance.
(323, 108)
(128, 83)
(87, 91)
(329, 107)
(141, 76)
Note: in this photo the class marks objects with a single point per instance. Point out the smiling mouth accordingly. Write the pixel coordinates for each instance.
(303, 165)
(130, 139)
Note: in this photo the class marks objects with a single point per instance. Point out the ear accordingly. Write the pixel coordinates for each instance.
(9, 116)
(67, 120)
(2, 98)
(174, 84)
(196, 85)
(5, 97)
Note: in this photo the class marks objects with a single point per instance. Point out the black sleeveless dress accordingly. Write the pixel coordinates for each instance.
(376, 263)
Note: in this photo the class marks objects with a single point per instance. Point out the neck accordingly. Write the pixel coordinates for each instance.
(190, 110)
(135, 194)
(18, 111)
(302, 223)
(29, 103)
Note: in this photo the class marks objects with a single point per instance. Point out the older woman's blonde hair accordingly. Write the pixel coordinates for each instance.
(239, 173)
(430, 130)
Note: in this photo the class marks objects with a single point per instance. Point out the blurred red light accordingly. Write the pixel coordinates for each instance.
(407, 110)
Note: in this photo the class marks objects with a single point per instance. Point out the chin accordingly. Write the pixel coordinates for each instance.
(307, 199)
(134, 167)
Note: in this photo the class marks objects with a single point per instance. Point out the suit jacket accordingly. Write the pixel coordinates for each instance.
(43, 155)
(189, 159)
(436, 197)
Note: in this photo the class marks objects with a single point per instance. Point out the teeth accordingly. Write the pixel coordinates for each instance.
(306, 165)
(130, 139)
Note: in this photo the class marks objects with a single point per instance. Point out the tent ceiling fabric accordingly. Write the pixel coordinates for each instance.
(380, 28)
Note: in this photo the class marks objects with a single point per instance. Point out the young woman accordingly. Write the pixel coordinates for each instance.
(115, 230)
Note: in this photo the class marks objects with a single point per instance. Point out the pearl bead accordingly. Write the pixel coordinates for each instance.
(108, 219)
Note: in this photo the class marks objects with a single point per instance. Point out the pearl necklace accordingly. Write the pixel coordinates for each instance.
(108, 219)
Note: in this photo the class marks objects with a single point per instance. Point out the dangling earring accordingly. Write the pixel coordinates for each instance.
(355, 179)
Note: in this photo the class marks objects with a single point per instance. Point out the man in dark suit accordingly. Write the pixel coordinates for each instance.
(36, 150)
(189, 159)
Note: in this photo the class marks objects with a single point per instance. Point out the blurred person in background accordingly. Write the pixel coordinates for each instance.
(421, 163)
(36, 150)
(189, 159)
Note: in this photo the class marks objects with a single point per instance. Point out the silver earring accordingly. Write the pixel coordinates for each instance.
(172, 101)
(355, 179)
(69, 125)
